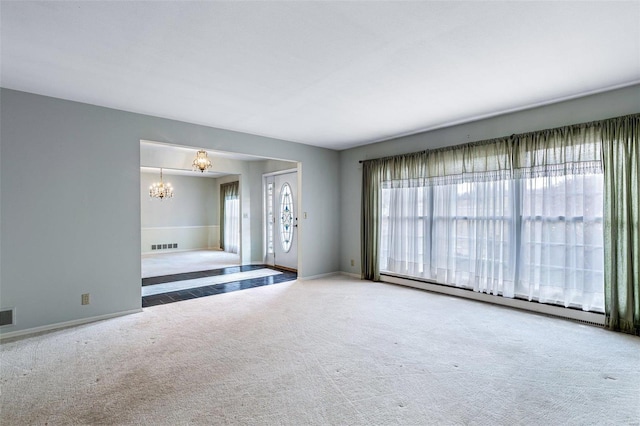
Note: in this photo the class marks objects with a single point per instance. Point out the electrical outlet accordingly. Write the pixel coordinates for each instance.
(353, 263)
(85, 299)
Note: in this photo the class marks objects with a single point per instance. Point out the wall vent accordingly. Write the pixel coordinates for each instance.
(6, 317)
(596, 324)
(164, 246)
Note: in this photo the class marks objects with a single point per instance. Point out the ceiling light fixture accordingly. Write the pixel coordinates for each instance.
(201, 162)
(160, 189)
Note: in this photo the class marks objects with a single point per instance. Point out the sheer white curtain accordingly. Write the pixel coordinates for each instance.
(232, 225)
(512, 217)
(562, 208)
(457, 234)
(562, 248)
(450, 217)
(404, 244)
(473, 242)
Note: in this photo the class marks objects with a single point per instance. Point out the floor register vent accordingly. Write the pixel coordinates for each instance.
(6, 317)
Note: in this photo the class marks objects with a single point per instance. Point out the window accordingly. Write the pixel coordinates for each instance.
(537, 238)
(232, 224)
(230, 217)
(286, 217)
(270, 220)
(562, 246)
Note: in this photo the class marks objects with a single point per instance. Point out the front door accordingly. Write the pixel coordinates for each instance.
(281, 194)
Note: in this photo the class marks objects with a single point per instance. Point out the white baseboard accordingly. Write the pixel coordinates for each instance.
(330, 274)
(541, 308)
(59, 325)
(315, 277)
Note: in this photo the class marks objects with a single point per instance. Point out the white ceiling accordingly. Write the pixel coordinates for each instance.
(331, 74)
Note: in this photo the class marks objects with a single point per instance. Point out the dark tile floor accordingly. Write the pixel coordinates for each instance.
(192, 293)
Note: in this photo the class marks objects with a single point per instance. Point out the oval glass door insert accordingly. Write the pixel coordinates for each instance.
(286, 217)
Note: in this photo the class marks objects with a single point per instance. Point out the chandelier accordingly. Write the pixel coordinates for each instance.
(201, 162)
(160, 189)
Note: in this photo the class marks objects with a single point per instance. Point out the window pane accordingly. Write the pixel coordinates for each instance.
(286, 217)
(562, 241)
(270, 219)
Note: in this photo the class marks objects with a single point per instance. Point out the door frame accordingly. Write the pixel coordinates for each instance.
(298, 205)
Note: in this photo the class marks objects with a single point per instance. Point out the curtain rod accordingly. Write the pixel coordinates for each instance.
(588, 123)
(424, 151)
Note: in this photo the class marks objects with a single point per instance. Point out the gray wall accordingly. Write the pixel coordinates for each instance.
(81, 234)
(195, 202)
(591, 108)
(277, 166)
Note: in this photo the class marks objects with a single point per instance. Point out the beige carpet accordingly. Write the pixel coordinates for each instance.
(331, 351)
(159, 264)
